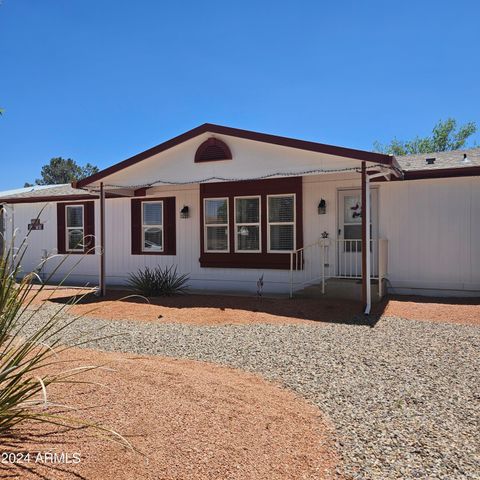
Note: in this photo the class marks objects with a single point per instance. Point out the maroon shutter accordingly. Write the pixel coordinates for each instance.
(263, 188)
(89, 212)
(170, 227)
(136, 227)
(61, 233)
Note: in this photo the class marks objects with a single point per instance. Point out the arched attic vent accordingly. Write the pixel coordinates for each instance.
(212, 150)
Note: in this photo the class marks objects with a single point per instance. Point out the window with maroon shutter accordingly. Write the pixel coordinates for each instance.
(153, 226)
(76, 227)
(251, 223)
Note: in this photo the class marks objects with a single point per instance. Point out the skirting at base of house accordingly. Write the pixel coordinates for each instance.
(438, 292)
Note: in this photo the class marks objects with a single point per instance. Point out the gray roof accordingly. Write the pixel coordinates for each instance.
(38, 191)
(452, 159)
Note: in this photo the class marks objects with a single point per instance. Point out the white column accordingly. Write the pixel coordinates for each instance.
(367, 246)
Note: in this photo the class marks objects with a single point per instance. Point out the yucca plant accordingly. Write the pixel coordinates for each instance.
(158, 281)
(25, 357)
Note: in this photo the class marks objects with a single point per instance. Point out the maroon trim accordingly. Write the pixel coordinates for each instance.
(169, 225)
(61, 229)
(140, 192)
(89, 227)
(247, 134)
(260, 188)
(442, 173)
(473, 171)
(213, 150)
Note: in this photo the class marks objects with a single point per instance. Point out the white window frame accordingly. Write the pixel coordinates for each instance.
(67, 228)
(205, 225)
(294, 223)
(243, 224)
(160, 225)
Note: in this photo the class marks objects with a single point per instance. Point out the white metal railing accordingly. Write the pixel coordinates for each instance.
(349, 258)
(307, 265)
(315, 263)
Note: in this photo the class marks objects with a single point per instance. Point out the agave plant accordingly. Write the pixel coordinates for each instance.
(23, 389)
(158, 281)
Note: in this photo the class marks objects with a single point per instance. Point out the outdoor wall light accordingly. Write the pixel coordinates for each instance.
(322, 207)
(184, 212)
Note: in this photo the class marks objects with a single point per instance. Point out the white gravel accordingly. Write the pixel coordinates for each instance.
(403, 396)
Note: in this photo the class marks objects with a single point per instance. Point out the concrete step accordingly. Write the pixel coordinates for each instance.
(341, 288)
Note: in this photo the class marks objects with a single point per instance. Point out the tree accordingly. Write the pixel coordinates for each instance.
(63, 170)
(445, 136)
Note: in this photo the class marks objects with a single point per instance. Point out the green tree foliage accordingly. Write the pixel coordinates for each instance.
(63, 170)
(445, 136)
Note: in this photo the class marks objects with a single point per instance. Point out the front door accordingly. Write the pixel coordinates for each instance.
(349, 244)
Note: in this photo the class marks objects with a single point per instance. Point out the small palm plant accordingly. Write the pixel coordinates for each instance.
(158, 282)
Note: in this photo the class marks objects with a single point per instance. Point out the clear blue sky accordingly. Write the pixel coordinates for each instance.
(101, 80)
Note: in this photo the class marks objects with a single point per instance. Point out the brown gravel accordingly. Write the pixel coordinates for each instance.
(196, 309)
(225, 309)
(192, 420)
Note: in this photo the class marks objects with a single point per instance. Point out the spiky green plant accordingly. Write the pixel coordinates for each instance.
(27, 351)
(158, 281)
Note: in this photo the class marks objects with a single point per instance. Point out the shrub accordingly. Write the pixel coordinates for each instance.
(158, 281)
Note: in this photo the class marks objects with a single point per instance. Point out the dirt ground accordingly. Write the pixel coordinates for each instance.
(225, 309)
(191, 420)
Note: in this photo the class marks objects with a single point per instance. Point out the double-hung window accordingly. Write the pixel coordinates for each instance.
(281, 223)
(216, 225)
(247, 224)
(75, 228)
(152, 226)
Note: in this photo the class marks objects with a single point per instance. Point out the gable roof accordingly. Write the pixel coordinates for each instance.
(246, 134)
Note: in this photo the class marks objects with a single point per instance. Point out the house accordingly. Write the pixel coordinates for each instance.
(227, 206)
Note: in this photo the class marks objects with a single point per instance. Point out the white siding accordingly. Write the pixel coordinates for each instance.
(433, 229)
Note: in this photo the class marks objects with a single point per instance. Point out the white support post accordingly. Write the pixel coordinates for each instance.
(103, 286)
(367, 246)
(323, 249)
(291, 274)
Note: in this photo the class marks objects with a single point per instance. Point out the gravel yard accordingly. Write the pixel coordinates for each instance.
(403, 396)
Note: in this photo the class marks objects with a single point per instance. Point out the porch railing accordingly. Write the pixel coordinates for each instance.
(307, 265)
(349, 258)
(339, 258)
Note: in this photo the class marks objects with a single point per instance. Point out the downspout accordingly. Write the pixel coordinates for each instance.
(366, 253)
(364, 239)
(368, 302)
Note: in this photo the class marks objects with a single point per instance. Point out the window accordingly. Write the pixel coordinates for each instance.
(281, 223)
(247, 224)
(75, 230)
(216, 225)
(152, 226)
